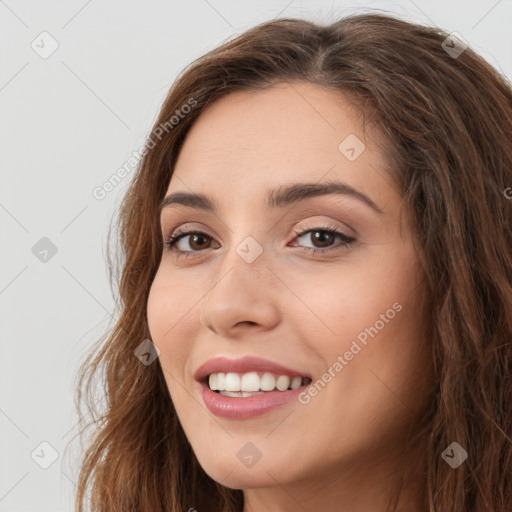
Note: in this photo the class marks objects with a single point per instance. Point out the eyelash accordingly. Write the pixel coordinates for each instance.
(173, 239)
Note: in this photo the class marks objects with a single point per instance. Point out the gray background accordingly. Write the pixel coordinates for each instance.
(68, 122)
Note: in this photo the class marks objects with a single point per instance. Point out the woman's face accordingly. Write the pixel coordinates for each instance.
(248, 301)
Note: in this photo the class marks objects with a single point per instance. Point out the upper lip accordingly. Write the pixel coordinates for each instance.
(244, 365)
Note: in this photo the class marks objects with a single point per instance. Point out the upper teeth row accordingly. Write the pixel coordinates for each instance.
(252, 382)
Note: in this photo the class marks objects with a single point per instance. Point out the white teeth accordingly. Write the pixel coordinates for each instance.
(240, 394)
(250, 383)
(268, 382)
(283, 382)
(221, 380)
(212, 381)
(296, 382)
(232, 382)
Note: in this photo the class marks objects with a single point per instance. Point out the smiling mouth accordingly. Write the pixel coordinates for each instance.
(240, 385)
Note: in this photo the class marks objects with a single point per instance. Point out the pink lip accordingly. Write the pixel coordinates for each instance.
(243, 365)
(245, 407)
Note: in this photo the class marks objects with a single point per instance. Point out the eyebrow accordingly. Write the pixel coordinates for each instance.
(276, 198)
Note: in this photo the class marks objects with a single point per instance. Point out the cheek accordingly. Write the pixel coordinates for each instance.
(335, 304)
(165, 321)
(370, 317)
(170, 305)
(169, 315)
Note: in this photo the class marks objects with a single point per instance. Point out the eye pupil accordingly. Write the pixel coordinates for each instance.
(194, 238)
(323, 237)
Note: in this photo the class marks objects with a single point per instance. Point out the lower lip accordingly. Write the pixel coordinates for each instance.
(249, 406)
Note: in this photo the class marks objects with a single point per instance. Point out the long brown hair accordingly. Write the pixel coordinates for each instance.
(447, 120)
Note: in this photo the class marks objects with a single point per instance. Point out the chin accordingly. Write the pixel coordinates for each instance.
(231, 472)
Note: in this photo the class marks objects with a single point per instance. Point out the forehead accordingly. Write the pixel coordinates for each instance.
(291, 132)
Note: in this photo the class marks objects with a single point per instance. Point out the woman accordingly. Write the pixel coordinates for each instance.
(316, 292)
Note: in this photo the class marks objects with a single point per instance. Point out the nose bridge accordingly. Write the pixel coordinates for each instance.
(241, 291)
(240, 271)
(247, 239)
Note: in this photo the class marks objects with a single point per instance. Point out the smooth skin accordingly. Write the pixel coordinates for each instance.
(341, 451)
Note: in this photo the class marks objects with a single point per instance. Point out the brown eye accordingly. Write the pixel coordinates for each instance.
(197, 242)
(322, 239)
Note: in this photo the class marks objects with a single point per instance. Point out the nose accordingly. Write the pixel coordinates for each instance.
(242, 296)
